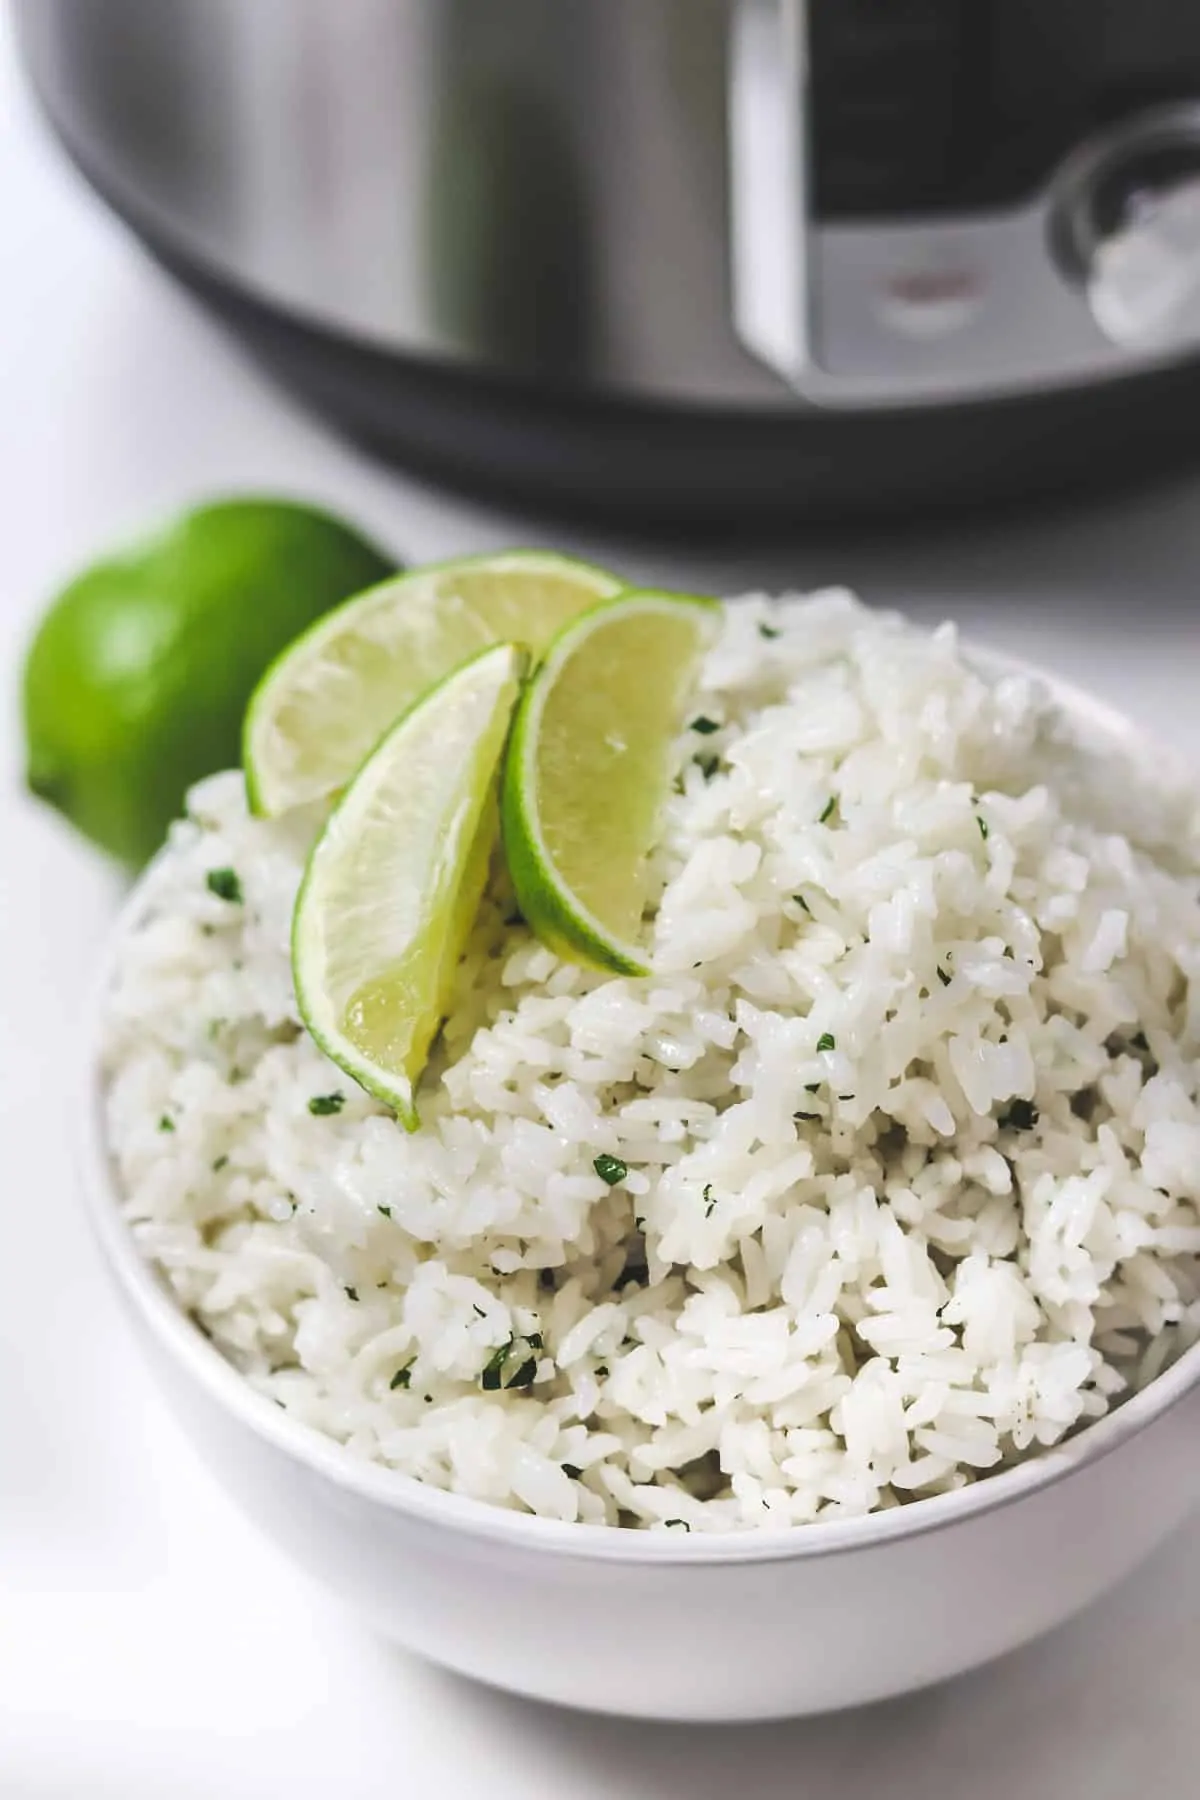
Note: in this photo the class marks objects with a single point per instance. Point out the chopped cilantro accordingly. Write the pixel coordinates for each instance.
(401, 1378)
(351, 1293)
(805, 1118)
(709, 1202)
(826, 1041)
(943, 977)
(1022, 1115)
(681, 1522)
(219, 1164)
(385, 1210)
(321, 1105)
(827, 811)
(769, 631)
(610, 1168)
(571, 1470)
(490, 1376)
(166, 1123)
(601, 1372)
(704, 727)
(983, 827)
(225, 884)
(802, 903)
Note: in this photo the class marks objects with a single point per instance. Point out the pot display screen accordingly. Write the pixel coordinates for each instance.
(923, 106)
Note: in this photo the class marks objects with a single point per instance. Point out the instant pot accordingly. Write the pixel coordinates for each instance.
(677, 258)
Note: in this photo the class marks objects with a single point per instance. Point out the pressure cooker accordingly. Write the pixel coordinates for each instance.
(697, 259)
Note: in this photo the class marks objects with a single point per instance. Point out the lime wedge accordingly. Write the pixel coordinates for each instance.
(395, 879)
(324, 703)
(588, 770)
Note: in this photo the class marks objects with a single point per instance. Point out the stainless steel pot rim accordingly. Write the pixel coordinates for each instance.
(485, 1522)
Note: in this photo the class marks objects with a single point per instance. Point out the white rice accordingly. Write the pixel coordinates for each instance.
(908, 1107)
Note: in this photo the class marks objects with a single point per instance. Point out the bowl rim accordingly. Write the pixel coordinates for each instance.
(177, 1334)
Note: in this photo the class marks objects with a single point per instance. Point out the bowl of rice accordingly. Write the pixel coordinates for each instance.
(804, 1322)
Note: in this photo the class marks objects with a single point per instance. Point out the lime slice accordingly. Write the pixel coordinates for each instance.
(395, 879)
(589, 767)
(329, 698)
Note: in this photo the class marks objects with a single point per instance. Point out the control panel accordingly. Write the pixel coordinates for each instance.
(953, 199)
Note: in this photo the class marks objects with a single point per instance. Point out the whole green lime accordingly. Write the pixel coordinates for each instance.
(137, 679)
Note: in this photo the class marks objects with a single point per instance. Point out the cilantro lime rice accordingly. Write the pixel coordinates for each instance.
(887, 1176)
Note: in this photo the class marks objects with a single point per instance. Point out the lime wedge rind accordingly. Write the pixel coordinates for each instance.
(394, 881)
(550, 902)
(336, 690)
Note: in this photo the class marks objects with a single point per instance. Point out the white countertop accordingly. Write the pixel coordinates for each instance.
(150, 1643)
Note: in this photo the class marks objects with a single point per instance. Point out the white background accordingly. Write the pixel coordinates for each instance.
(150, 1644)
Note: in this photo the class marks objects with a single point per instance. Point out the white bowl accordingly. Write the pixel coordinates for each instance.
(751, 1625)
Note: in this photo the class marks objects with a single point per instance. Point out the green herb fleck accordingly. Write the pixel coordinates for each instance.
(610, 1168)
(802, 903)
(385, 1210)
(943, 976)
(709, 1202)
(573, 1471)
(708, 766)
(1022, 1115)
(601, 1372)
(983, 827)
(704, 727)
(681, 1522)
(402, 1377)
(322, 1105)
(827, 811)
(225, 884)
(524, 1375)
(351, 1293)
(826, 1041)
(769, 631)
(221, 1163)
(166, 1123)
(478, 1310)
(490, 1377)
(805, 1118)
